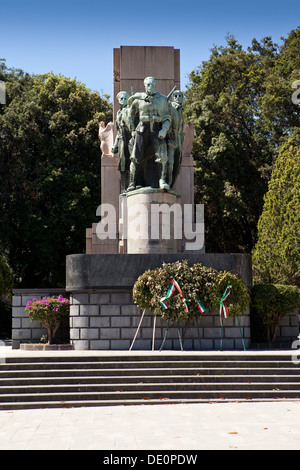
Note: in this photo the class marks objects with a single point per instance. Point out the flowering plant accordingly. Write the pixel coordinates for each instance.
(50, 311)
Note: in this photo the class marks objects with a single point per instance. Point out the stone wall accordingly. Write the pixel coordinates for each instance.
(103, 315)
(288, 329)
(108, 320)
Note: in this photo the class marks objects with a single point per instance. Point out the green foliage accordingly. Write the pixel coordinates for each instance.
(50, 311)
(231, 152)
(197, 283)
(5, 319)
(271, 302)
(278, 113)
(239, 298)
(50, 186)
(240, 104)
(6, 278)
(276, 256)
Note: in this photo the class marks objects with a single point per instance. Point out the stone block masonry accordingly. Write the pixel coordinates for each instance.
(103, 315)
(108, 320)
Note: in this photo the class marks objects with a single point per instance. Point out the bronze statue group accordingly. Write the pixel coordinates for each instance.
(149, 138)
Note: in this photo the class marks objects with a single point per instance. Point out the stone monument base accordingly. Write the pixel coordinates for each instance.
(154, 221)
(103, 315)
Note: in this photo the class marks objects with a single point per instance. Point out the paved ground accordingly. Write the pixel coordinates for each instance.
(243, 426)
(213, 426)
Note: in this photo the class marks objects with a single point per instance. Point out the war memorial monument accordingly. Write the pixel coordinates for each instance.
(147, 217)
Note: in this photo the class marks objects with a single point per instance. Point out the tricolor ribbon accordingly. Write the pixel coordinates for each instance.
(174, 285)
(223, 307)
(201, 307)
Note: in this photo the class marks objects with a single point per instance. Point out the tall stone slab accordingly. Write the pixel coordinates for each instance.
(131, 64)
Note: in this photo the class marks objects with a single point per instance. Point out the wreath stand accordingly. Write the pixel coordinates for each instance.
(138, 329)
(165, 336)
(221, 344)
(153, 334)
(197, 326)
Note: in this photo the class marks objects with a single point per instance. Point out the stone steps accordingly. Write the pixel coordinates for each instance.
(178, 379)
(146, 364)
(144, 386)
(69, 381)
(147, 372)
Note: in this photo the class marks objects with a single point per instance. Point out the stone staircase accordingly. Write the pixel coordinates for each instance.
(133, 379)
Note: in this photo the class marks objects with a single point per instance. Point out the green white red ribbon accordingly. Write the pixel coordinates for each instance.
(173, 286)
(201, 307)
(223, 307)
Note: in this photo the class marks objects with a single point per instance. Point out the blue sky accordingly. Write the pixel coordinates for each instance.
(76, 38)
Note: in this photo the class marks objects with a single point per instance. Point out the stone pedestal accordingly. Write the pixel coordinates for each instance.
(103, 315)
(154, 222)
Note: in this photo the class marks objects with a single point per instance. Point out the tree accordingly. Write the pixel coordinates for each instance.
(50, 183)
(6, 284)
(235, 101)
(278, 112)
(276, 255)
(6, 278)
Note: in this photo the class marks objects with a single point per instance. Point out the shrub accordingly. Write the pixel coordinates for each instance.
(270, 303)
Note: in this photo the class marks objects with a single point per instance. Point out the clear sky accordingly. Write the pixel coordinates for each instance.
(76, 38)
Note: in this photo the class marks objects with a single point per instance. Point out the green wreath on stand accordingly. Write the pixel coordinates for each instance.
(231, 296)
(177, 292)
